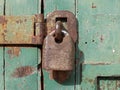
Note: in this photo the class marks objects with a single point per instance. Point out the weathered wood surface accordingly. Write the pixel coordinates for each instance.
(2, 78)
(16, 57)
(98, 43)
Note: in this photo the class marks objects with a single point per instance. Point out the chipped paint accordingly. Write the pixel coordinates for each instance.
(60, 76)
(14, 51)
(93, 5)
(2, 20)
(58, 57)
(101, 38)
(23, 71)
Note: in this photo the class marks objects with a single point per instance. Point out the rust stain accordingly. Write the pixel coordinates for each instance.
(23, 71)
(101, 38)
(9, 51)
(93, 5)
(14, 51)
(58, 57)
(90, 80)
(39, 34)
(39, 18)
(60, 76)
(61, 57)
(2, 20)
(5, 31)
(25, 20)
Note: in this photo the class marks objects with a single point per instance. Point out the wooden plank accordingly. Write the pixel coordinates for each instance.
(16, 57)
(1, 52)
(22, 7)
(1, 69)
(98, 39)
(50, 6)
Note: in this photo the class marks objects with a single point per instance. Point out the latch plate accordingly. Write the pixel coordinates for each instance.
(21, 29)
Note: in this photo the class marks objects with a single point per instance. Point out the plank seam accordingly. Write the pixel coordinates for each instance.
(42, 6)
(4, 13)
(42, 76)
(4, 67)
(4, 8)
(75, 49)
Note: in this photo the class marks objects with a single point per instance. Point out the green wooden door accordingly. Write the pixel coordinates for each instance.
(98, 44)
(14, 57)
(97, 49)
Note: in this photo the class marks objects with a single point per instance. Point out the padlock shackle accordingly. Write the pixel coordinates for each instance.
(58, 31)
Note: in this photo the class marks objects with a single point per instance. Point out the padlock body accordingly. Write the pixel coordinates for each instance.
(58, 56)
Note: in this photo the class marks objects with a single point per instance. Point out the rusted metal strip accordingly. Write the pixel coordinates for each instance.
(22, 29)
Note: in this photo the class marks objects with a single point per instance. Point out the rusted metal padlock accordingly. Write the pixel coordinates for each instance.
(58, 53)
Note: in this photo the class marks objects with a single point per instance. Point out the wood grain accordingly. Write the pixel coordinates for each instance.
(16, 57)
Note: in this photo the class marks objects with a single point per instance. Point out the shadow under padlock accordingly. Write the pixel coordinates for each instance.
(59, 45)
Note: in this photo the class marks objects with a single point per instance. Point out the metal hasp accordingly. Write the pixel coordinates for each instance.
(59, 45)
(22, 29)
(59, 31)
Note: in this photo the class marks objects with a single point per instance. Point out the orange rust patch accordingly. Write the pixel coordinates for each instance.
(14, 51)
(101, 38)
(93, 5)
(22, 71)
(2, 20)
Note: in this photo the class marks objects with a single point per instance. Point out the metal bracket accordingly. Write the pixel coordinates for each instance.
(22, 29)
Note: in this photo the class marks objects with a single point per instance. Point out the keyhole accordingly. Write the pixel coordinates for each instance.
(60, 39)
